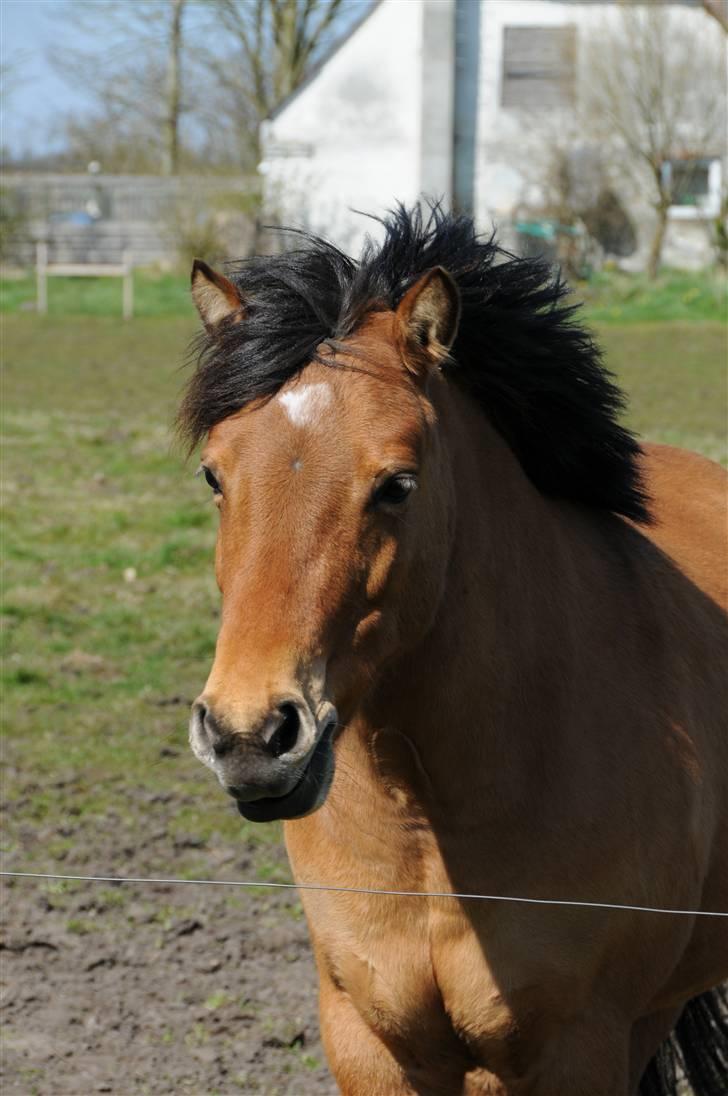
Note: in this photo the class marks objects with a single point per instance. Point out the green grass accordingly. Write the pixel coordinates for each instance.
(610, 297)
(156, 293)
(109, 600)
(615, 298)
(676, 379)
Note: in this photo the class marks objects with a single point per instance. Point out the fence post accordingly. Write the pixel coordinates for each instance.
(41, 262)
(128, 288)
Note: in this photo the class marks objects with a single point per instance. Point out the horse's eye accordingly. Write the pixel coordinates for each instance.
(395, 490)
(212, 481)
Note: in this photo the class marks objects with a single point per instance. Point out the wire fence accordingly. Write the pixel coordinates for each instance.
(164, 880)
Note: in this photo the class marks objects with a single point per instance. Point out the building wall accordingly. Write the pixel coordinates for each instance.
(375, 125)
(512, 145)
(350, 138)
(504, 144)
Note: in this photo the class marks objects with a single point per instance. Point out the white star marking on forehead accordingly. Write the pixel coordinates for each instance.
(306, 402)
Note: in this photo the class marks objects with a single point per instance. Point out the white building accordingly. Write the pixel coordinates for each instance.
(462, 100)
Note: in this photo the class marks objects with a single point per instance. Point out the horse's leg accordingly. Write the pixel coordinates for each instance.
(361, 1063)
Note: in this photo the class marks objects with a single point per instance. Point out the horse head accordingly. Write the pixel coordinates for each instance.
(332, 548)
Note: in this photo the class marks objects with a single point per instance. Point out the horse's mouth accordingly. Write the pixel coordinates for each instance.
(307, 795)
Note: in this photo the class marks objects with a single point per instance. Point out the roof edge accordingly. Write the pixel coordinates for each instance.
(324, 60)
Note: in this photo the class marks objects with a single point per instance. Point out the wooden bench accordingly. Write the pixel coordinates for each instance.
(123, 270)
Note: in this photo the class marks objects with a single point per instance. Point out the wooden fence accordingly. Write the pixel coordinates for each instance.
(95, 219)
(123, 270)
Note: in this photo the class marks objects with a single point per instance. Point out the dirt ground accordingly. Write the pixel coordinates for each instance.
(153, 989)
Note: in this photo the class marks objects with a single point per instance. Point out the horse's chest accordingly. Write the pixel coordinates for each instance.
(419, 980)
(376, 948)
(413, 967)
(384, 967)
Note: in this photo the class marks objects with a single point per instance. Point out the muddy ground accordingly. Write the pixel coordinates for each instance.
(152, 989)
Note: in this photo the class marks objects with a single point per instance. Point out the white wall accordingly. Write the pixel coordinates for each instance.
(501, 178)
(510, 143)
(374, 126)
(359, 122)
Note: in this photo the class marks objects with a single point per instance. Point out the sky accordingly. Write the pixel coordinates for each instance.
(35, 94)
(31, 33)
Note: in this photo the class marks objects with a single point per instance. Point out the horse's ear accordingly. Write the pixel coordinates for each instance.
(427, 318)
(215, 296)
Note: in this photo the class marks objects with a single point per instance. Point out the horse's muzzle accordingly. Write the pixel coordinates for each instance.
(307, 795)
(281, 768)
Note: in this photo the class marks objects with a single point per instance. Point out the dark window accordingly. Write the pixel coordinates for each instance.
(539, 67)
(688, 181)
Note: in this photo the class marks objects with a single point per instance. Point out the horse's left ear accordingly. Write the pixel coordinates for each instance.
(215, 296)
(427, 319)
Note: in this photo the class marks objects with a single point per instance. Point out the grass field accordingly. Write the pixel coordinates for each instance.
(109, 597)
(611, 297)
(156, 293)
(109, 611)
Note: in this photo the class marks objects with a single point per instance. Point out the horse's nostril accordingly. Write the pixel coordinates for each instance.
(285, 736)
(219, 741)
(222, 745)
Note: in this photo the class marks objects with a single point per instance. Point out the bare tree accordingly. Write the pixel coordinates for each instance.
(119, 142)
(275, 43)
(214, 69)
(135, 78)
(655, 90)
(11, 76)
(173, 97)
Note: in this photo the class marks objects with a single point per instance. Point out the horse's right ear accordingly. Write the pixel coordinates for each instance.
(215, 296)
(427, 320)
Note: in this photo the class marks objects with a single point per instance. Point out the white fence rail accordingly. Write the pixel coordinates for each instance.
(123, 270)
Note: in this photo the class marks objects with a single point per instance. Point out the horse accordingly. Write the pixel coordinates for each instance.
(472, 642)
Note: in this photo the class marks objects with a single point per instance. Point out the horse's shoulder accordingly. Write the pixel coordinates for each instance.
(676, 466)
(689, 503)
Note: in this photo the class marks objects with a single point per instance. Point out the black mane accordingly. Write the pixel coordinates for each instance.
(535, 372)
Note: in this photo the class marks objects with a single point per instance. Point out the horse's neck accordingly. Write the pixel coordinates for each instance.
(496, 663)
